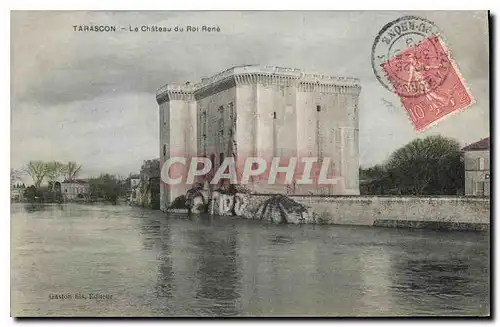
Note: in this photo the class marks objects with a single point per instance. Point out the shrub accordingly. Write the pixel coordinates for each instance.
(179, 203)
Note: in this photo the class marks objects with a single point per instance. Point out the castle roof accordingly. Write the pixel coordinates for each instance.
(262, 71)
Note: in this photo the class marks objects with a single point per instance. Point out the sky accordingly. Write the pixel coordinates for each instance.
(89, 97)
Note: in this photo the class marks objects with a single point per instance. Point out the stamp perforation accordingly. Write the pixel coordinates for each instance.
(430, 86)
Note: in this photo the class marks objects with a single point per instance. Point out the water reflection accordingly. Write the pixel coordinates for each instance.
(217, 270)
(438, 277)
(457, 281)
(304, 272)
(34, 207)
(165, 285)
(377, 296)
(158, 265)
(152, 233)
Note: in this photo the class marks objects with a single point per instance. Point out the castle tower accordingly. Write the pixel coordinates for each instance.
(266, 112)
(178, 137)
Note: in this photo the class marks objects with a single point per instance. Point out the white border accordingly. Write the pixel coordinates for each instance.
(251, 5)
(185, 5)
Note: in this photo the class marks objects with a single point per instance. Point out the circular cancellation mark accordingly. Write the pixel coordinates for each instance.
(408, 57)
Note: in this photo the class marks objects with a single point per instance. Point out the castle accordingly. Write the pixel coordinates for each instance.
(263, 111)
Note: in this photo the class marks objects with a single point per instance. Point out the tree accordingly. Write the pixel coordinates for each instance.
(30, 193)
(37, 171)
(15, 176)
(54, 171)
(72, 170)
(106, 186)
(431, 165)
(375, 180)
(375, 172)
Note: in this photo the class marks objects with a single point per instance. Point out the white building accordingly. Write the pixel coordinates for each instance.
(263, 111)
(75, 189)
(135, 181)
(477, 168)
(17, 194)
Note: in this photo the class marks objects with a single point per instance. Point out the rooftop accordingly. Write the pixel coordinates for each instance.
(260, 69)
(483, 144)
(76, 181)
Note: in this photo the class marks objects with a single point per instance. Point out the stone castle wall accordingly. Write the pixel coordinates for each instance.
(279, 112)
(455, 213)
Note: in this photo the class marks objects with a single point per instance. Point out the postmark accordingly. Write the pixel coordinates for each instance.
(392, 41)
(409, 58)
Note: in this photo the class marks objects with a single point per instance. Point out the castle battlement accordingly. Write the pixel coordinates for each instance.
(253, 74)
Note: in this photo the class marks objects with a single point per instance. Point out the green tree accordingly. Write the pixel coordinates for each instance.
(106, 186)
(432, 165)
(375, 180)
(55, 170)
(37, 170)
(72, 170)
(30, 193)
(375, 172)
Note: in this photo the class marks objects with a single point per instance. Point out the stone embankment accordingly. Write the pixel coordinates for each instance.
(442, 213)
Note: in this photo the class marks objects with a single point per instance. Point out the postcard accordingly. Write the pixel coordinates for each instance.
(250, 164)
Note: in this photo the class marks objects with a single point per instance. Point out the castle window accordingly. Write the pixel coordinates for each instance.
(221, 118)
(481, 163)
(164, 150)
(318, 108)
(230, 132)
(221, 158)
(274, 115)
(231, 110)
(221, 137)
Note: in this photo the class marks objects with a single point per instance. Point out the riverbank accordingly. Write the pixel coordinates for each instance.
(119, 201)
(439, 213)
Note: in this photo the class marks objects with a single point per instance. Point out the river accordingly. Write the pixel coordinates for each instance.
(139, 262)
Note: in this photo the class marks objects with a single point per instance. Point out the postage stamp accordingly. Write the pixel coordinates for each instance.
(410, 58)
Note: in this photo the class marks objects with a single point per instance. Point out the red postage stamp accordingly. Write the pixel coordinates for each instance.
(427, 82)
(421, 73)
